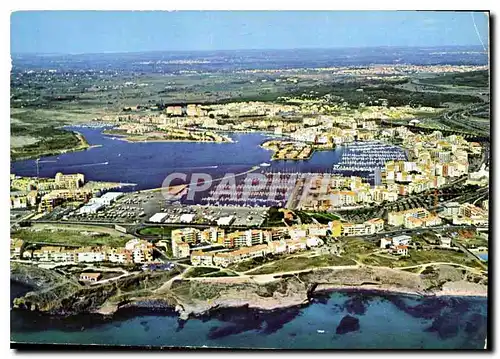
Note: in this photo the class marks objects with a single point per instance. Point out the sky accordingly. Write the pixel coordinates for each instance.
(74, 32)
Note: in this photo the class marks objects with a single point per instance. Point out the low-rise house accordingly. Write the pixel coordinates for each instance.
(445, 242)
(295, 245)
(90, 277)
(88, 254)
(15, 247)
(119, 255)
(401, 250)
(403, 240)
(313, 241)
(385, 243)
(277, 247)
(222, 259)
(199, 258)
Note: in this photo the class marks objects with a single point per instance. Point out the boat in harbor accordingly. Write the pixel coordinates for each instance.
(265, 164)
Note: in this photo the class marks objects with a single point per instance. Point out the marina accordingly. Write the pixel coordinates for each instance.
(273, 191)
(368, 156)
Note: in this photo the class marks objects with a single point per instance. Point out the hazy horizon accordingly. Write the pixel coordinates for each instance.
(119, 32)
(243, 50)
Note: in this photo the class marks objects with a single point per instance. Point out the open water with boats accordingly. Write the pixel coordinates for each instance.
(147, 164)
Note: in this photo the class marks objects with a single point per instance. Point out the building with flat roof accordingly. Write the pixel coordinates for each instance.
(225, 221)
(187, 218)
(199, 258)
(69, 181)
(110, 197)
(401, 240)
(158, 217)
(90, 208)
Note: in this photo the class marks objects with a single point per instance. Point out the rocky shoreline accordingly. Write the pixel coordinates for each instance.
(190, 299)
(296, 297)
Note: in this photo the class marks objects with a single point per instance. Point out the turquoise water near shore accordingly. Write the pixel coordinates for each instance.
(385, 322)
(483, 256)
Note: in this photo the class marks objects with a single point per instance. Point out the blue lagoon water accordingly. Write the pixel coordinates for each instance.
(146, 164)
(385, 322)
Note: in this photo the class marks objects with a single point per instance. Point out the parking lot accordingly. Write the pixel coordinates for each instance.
(139, 207)
(199, 214)
(131, 208)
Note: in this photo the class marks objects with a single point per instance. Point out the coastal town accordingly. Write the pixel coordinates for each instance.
(250, 180)
(383, 165)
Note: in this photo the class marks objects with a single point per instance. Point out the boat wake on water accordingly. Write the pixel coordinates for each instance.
(90, 164)
(197, 168)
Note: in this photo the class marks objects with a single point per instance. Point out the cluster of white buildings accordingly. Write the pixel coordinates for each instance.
(436, 160)
(397, 245)
(97, 203)
(225, 258)
(213, 246)
(469, 214)
(325, 191)
(413, 218)
(186, 241)
(479, 178)
(134, 251)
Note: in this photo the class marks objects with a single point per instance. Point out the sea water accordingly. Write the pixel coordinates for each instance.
(387, 321)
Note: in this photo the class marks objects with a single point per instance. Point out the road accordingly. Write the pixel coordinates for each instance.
(469, 254)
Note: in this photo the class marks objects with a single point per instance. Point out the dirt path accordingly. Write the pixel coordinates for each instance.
(424, 265)
(168, 284)
(80, 228)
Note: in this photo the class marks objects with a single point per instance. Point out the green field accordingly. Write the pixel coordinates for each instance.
(199, 271)
(422, 257)
(36, 132)
(248, 264)
(471, 79)
(222, 273)
(300, 263)
(208, 272)
(71, 238)
(474, 242)
(156, 231)
(357, 248)
(321, 217)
